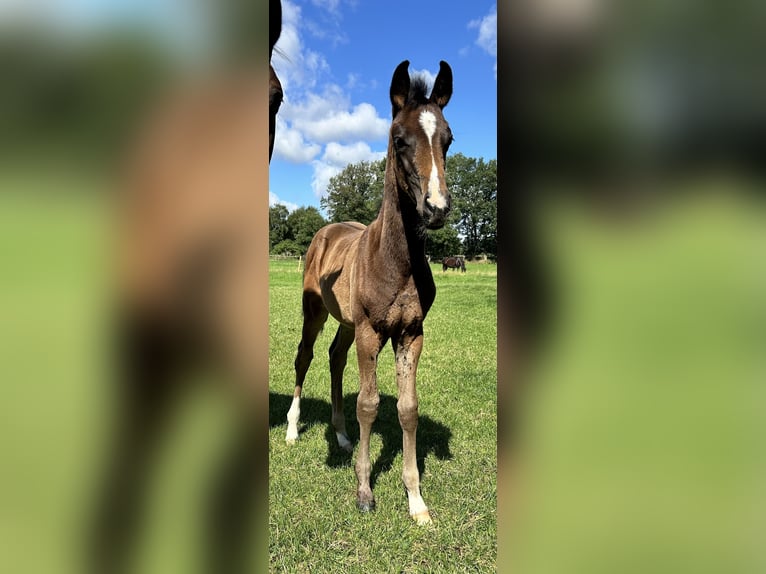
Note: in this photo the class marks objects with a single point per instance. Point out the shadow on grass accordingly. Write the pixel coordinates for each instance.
(433, 437)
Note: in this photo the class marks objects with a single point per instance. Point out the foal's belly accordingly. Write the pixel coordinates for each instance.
(336, 296)
(337, 286)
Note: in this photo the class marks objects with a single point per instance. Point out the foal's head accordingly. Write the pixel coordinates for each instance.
(275, 87)
(420, 138)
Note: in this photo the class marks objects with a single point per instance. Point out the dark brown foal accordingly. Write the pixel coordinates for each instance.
(376, 281)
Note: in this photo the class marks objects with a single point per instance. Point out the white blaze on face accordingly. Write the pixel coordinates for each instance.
(428, 123)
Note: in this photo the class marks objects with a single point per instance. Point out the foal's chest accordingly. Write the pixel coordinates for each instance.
(408, 308)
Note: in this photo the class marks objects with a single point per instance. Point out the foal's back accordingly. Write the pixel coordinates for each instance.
(330, 268)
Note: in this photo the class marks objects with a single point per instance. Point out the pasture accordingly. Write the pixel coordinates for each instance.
(314, 525)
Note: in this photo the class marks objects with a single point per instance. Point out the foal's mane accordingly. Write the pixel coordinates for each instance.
(419, 89)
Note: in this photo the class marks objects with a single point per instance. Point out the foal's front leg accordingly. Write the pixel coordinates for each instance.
(368, 345)
(407, 349)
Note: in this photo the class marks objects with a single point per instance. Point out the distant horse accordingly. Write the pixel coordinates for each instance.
(453, 263)
(376, 282)
(191, 247)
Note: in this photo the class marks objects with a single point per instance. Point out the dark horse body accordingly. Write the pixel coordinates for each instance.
(453, 263)
(376, 282)
(191, 247)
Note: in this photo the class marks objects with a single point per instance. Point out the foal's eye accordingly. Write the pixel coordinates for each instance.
(399, 143)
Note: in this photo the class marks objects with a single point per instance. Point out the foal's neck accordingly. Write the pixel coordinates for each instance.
(402, 233)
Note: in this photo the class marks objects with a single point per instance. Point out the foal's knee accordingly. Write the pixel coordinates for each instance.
(408, 412)
(367, 406)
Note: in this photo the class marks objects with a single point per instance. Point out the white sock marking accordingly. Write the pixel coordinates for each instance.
(416, 503)
(292, 420)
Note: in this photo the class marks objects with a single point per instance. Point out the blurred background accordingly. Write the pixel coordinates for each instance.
(77, 81)
(633, 364)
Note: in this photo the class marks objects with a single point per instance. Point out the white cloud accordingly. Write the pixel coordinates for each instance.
(318, 123)
(359, 123)
(487, 39)
(290, 145)
(335, 158)
(329, 5)
(323, 172)
(274, 200)
(297, 67)
(329, 116)
(343, 155)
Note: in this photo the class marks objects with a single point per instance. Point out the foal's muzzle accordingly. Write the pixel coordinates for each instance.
(436, 217)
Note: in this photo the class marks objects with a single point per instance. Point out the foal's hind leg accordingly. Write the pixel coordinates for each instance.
(314, 317)
(338, 355)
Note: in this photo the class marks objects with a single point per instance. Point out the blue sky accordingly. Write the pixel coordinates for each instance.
(336, 62)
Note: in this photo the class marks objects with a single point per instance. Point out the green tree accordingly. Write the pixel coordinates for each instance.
(303, 223)
(287, 247)
(278, 227)
(473, 185)
(356, 192)
(443, 242)
(355, 195)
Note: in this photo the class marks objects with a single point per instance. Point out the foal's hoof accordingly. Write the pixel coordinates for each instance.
(366, 506)
(422, 518)
(344, 443)
(292, 435)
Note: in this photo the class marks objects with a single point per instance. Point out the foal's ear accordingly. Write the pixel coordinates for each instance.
(400, 87)
(442, 91)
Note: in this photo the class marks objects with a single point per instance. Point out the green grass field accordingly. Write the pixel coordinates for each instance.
(313, 521)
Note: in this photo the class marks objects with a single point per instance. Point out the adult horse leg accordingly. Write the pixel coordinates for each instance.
(407, 349)
(314, 317)
(338, 355)
(368, 345)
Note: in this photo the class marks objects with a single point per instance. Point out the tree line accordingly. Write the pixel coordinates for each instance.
(355, 194)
